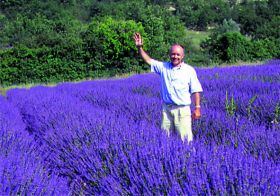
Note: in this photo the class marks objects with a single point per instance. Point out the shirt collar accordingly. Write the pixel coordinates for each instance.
(178, 66)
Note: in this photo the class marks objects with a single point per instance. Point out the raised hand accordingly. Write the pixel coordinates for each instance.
(138, 40)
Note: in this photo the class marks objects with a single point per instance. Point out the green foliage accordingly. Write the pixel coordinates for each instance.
(277, 114)
(230, 105)
(249, 107)
(155, 27)
(201, 14)
(41, 41)
(250, 15)
(39, 31)
(109, 43)
(198, 59)
(41, 50)
(246, 15)
(229, 47)
(270, 29)
(195, 38)
(276, 42)
(24, 65)
(52, 9)
(29, 32)
(233, 46)
(263, 49)
(5, 4)
(195, 54)
(257, 17)
(163, 30)
(228, 26)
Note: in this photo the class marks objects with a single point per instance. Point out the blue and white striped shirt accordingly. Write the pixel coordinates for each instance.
(177, 83)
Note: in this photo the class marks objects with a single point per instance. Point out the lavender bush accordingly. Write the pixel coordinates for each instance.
(103, 137)
(22, 167)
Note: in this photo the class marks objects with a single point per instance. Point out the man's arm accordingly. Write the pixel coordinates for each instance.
(139, 44)
(196, 99)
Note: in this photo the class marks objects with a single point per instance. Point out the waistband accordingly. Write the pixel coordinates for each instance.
(174, 106)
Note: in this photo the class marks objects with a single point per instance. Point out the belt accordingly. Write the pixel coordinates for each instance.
(174, 106)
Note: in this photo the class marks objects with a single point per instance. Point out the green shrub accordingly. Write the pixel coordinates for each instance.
(236, 47)
(109, 43)
(233, 47)
(24, 65)
(264, 49)
(163, 29)
(270, 29)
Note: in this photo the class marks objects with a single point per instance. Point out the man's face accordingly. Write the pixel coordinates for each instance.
(176, 55)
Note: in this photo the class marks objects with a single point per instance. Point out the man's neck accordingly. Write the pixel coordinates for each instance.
(177, 66)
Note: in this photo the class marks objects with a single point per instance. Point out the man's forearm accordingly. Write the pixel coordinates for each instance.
(196, 99)
(144, 55)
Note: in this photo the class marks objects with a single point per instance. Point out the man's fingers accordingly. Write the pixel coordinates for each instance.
(136, 36)
(195, 116)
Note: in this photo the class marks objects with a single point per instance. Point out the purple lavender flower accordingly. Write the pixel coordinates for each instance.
(103, 137)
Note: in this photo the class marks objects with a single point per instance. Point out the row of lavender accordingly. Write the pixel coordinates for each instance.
(22, 167)
(103, 137)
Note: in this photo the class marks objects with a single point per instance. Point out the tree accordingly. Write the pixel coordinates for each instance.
(109, 43)
(201, 14)
(163, 29)
(40, 31)
(270, 29)
(250, 15)
(233, 46)
(227, 26)
(213, 45)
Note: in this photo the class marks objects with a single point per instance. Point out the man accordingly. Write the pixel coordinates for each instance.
(179, 86)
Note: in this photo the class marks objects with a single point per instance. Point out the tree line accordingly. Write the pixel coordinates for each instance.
(63, 40)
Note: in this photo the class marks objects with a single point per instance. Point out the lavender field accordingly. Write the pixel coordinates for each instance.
(103, 137)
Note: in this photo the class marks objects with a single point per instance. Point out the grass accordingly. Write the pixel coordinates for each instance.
(195, 38)
(3, 90)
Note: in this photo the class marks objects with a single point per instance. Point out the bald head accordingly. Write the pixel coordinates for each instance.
(178, 46)
(177, 54)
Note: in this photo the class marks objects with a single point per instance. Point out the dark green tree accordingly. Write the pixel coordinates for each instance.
(270, 29)
(250, 15)
(199, 15)
(232, 47)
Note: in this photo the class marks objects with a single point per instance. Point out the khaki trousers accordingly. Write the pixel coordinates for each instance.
(177, 119)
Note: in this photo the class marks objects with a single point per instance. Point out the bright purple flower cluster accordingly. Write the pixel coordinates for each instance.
(23, 169)
(104, 137)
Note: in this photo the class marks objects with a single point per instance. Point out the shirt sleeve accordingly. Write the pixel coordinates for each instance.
(156, 66)
(195, 85)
